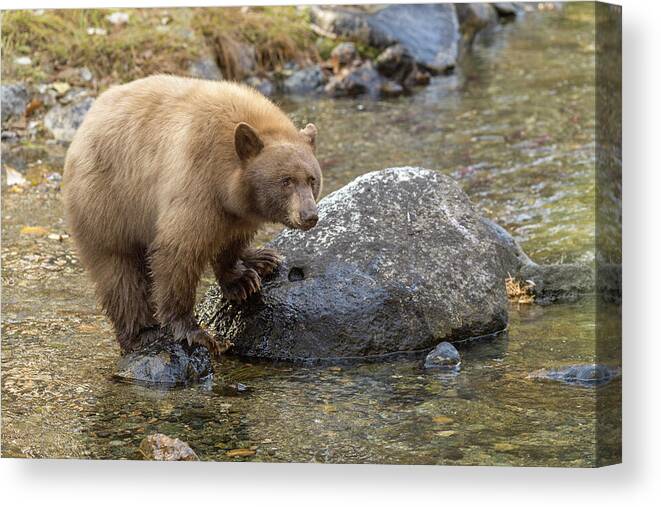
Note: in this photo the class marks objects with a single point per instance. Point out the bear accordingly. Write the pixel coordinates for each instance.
(167, 175)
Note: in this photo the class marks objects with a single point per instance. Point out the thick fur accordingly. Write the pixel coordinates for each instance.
(167, 175)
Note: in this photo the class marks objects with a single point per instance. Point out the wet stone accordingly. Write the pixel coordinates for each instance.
(586, 375)
(399, 260)
(165, 363)
(445, 357)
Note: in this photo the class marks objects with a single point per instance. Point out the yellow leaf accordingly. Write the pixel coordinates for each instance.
(442, 419)
(34, 230)
(504, 446)
(240, 453)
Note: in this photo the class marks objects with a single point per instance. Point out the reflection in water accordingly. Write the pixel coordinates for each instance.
(515, 126)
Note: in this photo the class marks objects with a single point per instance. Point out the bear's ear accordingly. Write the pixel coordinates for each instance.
(246, 141)
(310, 133)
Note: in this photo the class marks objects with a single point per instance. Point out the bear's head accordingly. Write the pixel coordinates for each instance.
(284, 176)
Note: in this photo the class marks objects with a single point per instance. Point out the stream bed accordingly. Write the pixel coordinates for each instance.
(515, 127)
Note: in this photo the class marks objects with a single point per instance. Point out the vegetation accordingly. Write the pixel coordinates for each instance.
(57, 39)
(278, 34)
(159, 40)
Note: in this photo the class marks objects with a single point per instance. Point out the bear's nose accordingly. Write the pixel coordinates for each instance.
(309, 219)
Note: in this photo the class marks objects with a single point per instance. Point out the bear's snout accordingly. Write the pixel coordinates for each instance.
(309, 218)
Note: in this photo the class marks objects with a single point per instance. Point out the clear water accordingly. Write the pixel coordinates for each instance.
(515, 126)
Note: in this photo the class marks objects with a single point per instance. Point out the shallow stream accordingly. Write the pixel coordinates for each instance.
(515, 127)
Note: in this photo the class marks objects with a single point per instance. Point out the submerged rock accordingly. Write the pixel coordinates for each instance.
(399, 261)
(14, 100)
(165, 363)
(63, 121)
(429, 32)
(588, 375)
(445, 357)
(553, 283)
(160, 447)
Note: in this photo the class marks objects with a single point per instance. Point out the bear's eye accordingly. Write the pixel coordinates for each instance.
(311, 180)
(286, 182)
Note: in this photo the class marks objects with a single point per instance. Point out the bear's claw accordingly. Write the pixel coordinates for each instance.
(262, 260)
(240, 289)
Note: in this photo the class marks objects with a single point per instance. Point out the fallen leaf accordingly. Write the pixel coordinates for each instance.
(442, 419)
(446, 433)
(240, 453)
(504, 446)
(34, 230)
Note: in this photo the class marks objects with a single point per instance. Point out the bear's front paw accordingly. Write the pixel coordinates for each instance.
(263, 260)
(242, 287)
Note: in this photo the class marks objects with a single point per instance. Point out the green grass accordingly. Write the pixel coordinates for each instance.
(58, 39)
(279, 35)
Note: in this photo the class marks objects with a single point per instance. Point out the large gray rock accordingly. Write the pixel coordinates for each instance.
(14, 100)
(63, 121)
(429, 32)
(399, 261)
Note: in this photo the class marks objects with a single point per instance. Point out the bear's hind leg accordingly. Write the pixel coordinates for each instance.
(122, 284)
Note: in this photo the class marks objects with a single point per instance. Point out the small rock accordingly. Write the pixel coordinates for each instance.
(261, 84)
(14, 98)
(61, 87)
(205, 68)
(586, 375)
(165, 362)
(343, 55)
(93, 30)
(395, 63)
(161, 447)
(118, 18)
(391, 89)
(23, 60)
(360, 79)
(63, 121)
(14, 178)
(305, 81)
(445, 356)
(85, 74)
